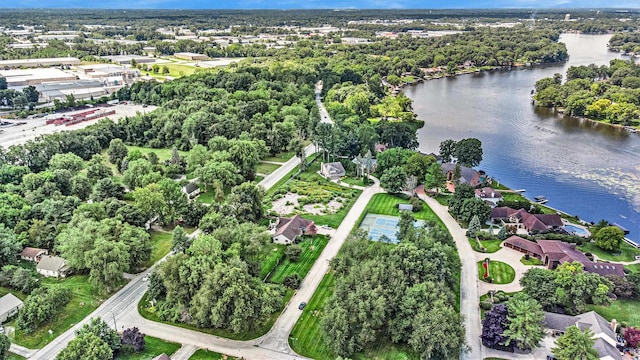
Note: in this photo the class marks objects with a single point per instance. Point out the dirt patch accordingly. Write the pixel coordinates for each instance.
(286, 204)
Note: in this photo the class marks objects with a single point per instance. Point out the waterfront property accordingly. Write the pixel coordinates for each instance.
(603, 330)
(467, 176)
(532, 223)
(489, 195)
(554, 253)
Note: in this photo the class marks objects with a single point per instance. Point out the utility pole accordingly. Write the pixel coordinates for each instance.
(114, 321)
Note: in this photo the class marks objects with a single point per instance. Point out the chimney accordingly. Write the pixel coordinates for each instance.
(493, 194)
(614, 324)
(572, 246)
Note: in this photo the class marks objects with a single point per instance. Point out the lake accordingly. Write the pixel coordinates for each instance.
(584, 168)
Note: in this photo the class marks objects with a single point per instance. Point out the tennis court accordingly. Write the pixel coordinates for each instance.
(379, 225)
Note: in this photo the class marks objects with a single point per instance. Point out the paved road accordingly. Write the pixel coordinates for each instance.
(468, 281)
(324, 115)
(270, 180)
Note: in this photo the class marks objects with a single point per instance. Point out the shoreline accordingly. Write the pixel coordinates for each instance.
(559, 112)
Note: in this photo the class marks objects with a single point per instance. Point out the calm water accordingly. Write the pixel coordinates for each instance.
(583, 168)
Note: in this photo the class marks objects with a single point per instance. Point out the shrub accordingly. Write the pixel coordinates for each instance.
(292, 281)
(293, 252)
(417, 204)
(486, 305)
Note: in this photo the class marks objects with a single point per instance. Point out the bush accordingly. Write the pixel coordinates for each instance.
(293, 252)
(292, 281)
(486, 305)
(417, 204)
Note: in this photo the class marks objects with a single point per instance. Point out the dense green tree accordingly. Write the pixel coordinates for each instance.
(609, 238)
(469, 152)
(474, 207)
(68, 161)
(97, 169)
(41, 306)
(5, 344)
(87, 346)
(81, 187)
(245, 202)
(180, 241)
(394, 179)
(525, 322)
(117, 151)
(293, 252)
(99, 328)
(417, 165)
(140, 173)
(462, 193)
(575, 345)
(9, 246)
(447, 150)
(106, 188)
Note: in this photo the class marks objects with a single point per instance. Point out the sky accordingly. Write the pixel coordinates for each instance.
(320, 4)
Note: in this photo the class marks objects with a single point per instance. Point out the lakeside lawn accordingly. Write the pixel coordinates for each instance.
(491, 246)
(501, 273)
(311, 249)
(634, 268)
(627, 252)
(266, 168)
(623, 310)
(84, 300)
(204, 354)
(531, 262)
(153, 347)
(149, 314)
(161, 245)
(270, 258)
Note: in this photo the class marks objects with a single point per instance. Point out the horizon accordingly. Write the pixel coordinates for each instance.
(325, 5)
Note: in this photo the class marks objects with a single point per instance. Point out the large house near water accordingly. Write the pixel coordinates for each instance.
(533, 223)
(555, 252)
(467, 176)
(603, 331)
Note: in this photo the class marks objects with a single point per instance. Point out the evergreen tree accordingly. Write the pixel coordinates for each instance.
(575, 345)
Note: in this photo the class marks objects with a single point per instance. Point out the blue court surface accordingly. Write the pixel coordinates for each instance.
(378, 225)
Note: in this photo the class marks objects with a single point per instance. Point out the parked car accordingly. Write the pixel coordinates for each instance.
(145, 278)
(302, 305)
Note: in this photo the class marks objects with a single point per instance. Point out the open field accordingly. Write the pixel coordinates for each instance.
(163, 153)
(501, 273)
(16, 135)
(161, 245)
(311, 249)
(266, 168)
(627, 252)
(623, 310)
(153, 347)
(83, 301)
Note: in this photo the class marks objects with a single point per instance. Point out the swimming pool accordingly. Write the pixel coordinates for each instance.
(572, 229)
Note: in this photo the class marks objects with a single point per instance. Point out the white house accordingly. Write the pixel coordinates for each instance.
(489, 195)
(332, 171)
(9, 306)
(191, 189)
(52, 266)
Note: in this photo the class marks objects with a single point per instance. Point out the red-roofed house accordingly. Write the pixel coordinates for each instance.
(490, 195)
(33, 254)
(287, 230)
(533, 223)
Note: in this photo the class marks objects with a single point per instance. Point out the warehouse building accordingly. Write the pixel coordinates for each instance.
(80, 89)
(26, 77)
(190, 56)
(126, 59)
(45, 62)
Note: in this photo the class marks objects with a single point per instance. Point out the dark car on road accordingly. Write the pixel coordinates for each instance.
(302, 305)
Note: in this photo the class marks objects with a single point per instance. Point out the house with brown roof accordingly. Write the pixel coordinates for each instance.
(287, 230)
(33, 254)
(533, 223)
(52, 266)
(555, 252)
(489, 195)
(603, 331)
(467, 175)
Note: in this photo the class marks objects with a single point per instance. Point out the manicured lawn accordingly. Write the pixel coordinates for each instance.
(84, 300)
(161, 245)
(634, 268)
(163, 154)
(627, 252)
(532, 261)
(266, 168)
(311, 249)
(306, 337)
(153, 347)
(387, 204)
(12, 356)
(249, 335)
(206, 197)
(204, 354)
(270, 257)
(258, 179)
(355, 181)
(281, 157)
(622, 310)
(491, 246)
(502, 273)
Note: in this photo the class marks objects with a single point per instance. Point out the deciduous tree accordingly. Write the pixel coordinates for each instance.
(609, 238)
(575, 345)
(525, 322)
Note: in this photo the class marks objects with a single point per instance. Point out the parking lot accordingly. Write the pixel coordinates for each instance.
(20, 134)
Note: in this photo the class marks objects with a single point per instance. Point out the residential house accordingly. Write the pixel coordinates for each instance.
(555, 252)
(332, 171)
(467, 176)
(191, 189)
(33, 254)
(52, 266)
(9, 306)
(603, 330)
(365, 165)
(533, 223)
(287, 230)
(489, 195)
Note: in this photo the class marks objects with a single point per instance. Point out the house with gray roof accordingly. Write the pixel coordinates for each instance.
(9, 306)
(52, 266)
(332, 171)
(191, 189)
(603, 330)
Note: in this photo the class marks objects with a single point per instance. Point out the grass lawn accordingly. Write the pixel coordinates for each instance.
(249, 335)
(532, 261)
(306, 336)
(12, 356)
(442, 199)
(84, 300)
(204, 354)
(258, 178)
(163, 154)
(271, 255)
(502, 273)
(206, 197)
(387, 204)
(153, 347)
(490, 245)
(627, 252)
(311, 249)
(634, 268)
(175, 70)
(622, 310)
(281, 157)
(161, 245)
(266, 168)
(358, 181)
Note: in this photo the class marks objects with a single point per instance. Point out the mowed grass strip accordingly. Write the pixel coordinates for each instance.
(270, 257)
(501, 273)
(266, 168)
(153, 347)
(161, 245)
(311, 250)
(490, 245)
(306, 337)
(163, 154)
(204, 354)
(626, 253)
